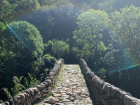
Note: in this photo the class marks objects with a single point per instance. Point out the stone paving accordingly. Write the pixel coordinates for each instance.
(70, 88)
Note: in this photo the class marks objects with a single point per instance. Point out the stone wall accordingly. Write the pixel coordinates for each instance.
(104, 93)
(39, 91)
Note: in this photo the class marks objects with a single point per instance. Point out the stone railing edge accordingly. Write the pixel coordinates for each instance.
(100, 88)
(39, 91)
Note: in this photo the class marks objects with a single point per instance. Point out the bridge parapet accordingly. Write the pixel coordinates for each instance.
(104, 93)
(39, 91)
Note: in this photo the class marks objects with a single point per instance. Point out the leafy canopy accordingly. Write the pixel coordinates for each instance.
(88, 35)
(29, 35)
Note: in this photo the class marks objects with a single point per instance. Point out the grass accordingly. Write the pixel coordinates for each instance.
(59, 78)
(48, 94)
(60, 99)
(54, 85)
(60, 74)
(62, 66)
(83, 82)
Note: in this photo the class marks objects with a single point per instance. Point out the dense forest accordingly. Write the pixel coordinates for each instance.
(34, 34)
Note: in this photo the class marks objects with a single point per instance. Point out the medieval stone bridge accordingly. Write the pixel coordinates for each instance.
(73, 85)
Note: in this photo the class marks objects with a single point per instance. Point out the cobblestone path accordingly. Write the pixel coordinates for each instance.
(70, 88)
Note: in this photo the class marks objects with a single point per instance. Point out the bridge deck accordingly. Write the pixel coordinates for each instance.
(70, 88)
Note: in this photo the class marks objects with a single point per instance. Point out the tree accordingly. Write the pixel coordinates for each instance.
(88, 35)
(58, 48)
(26, 4)
(29, 35)
(2, 27)
(17, 60)
(126, 28)
(10, 8)
(5, 8)
(49, 58)
(107, 6)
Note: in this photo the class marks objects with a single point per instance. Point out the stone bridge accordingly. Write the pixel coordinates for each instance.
(73, 85)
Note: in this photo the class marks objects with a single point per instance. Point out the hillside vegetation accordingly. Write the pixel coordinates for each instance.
(34, 34)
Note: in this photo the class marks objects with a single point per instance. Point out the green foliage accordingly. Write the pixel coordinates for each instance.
(29, 35)
(90, 25)
(39, 70)
(36, 66)
(107, 40)
(126, 24)
(88, 34)
(32, 81)
(5, 8)
(1, 101)
(101, 46)
(9, 8)
(17, 85)
(58, 48)
(107, 5)
(102, 73)
(48, 95)
(109, 57)
(42, 2)
(7, 93)
(2, 27)
(35, 4)
(12, 55)
(15, 59)
(49, 58)
(26, 82)
(126, 28)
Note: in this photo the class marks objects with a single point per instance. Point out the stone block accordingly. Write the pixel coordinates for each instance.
(90, 75)
(109, 90)
(26, 94)
(35, 89)
(103, 102)
(52, 73)
(48, 81)
(93, 79)
(37, 96)
(45, 83)
(123, 93)
(22, 97)
(44, 91)
(50, 77)
(128, 100)
(105, 86)
(5, 103)
(16, 100)
(97, 82)
(115, 92)
(42, 85)
(100, 84)
(31, 92)
(39, 87)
